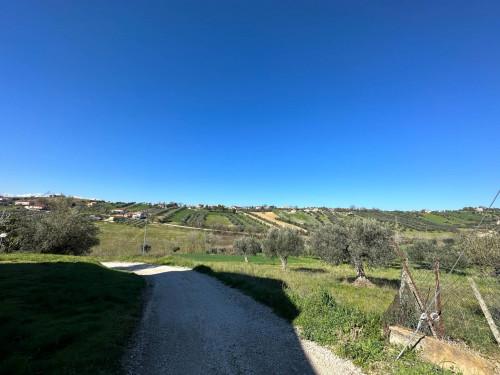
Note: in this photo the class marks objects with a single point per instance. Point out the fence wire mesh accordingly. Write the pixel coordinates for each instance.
(458, 314)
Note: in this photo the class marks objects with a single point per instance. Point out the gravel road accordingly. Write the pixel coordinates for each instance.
(193, 324)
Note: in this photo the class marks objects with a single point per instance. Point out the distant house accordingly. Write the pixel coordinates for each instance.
(91, 203)
(161, 205)
(118, 210)
(479, 209)
(139, 215)
(37, 207)
(24, 203)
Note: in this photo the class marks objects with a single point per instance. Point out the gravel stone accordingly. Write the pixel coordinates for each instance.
(194, 324)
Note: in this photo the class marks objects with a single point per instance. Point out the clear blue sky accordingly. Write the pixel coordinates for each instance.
(387, 104)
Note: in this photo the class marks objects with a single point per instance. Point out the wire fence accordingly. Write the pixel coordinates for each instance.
(451, 290)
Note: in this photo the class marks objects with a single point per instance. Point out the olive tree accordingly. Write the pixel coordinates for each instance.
(283, 242)
(63, 230)
(429, 251)
(484, 251)
(247, 246)
(355, 241)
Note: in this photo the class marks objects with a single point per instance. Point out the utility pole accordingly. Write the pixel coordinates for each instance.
(144, 243)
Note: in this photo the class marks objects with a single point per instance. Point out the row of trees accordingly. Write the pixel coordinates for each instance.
(366, 242)
(482, 251)
(356, 241)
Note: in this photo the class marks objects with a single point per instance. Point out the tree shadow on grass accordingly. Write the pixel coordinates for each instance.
(270, 292)
(309, 270)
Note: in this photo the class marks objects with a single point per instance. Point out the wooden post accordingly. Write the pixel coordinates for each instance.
(420, 301)
(486, 312)
(438, 300)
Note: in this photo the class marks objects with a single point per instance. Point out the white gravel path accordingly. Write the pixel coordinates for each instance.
(193, 324)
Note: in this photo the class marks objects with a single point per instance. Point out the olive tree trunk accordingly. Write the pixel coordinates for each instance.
(283, 261)
(246, 258)
(359, 269)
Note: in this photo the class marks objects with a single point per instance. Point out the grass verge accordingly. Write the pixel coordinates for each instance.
(64, 314)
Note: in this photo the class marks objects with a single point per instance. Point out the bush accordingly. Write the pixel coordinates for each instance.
(64, 230)
(144, 247)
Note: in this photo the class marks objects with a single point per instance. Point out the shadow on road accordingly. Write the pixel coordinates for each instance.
(135, 267)
(269, 292)
(192, 325)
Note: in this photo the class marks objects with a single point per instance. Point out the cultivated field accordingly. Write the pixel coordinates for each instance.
(271, 216)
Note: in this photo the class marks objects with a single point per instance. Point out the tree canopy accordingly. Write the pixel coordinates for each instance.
(354, 241)
(63, 230)
(247, 246)
(283, 242)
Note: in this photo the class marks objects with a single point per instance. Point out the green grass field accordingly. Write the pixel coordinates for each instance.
(124, 240)
(216, 218)
(177, 218)
(64, 315)
(436, 219)
(120, 241)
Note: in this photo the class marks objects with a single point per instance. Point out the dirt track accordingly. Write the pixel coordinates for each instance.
(193, 324)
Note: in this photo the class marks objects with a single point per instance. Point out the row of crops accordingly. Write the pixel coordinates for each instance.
(243, 223)
(263, 220)
(251, 221)
(406, 220)
(196, 219)
(449, 221)
(135, 222)
(168, 216)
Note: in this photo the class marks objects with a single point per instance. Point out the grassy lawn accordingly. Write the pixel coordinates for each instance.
(124, 240)
(217, 219)
(436, 219)
(64, 315)
(177, 218)
(120, 241)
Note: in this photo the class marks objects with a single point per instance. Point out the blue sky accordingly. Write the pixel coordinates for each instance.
(387, 104)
